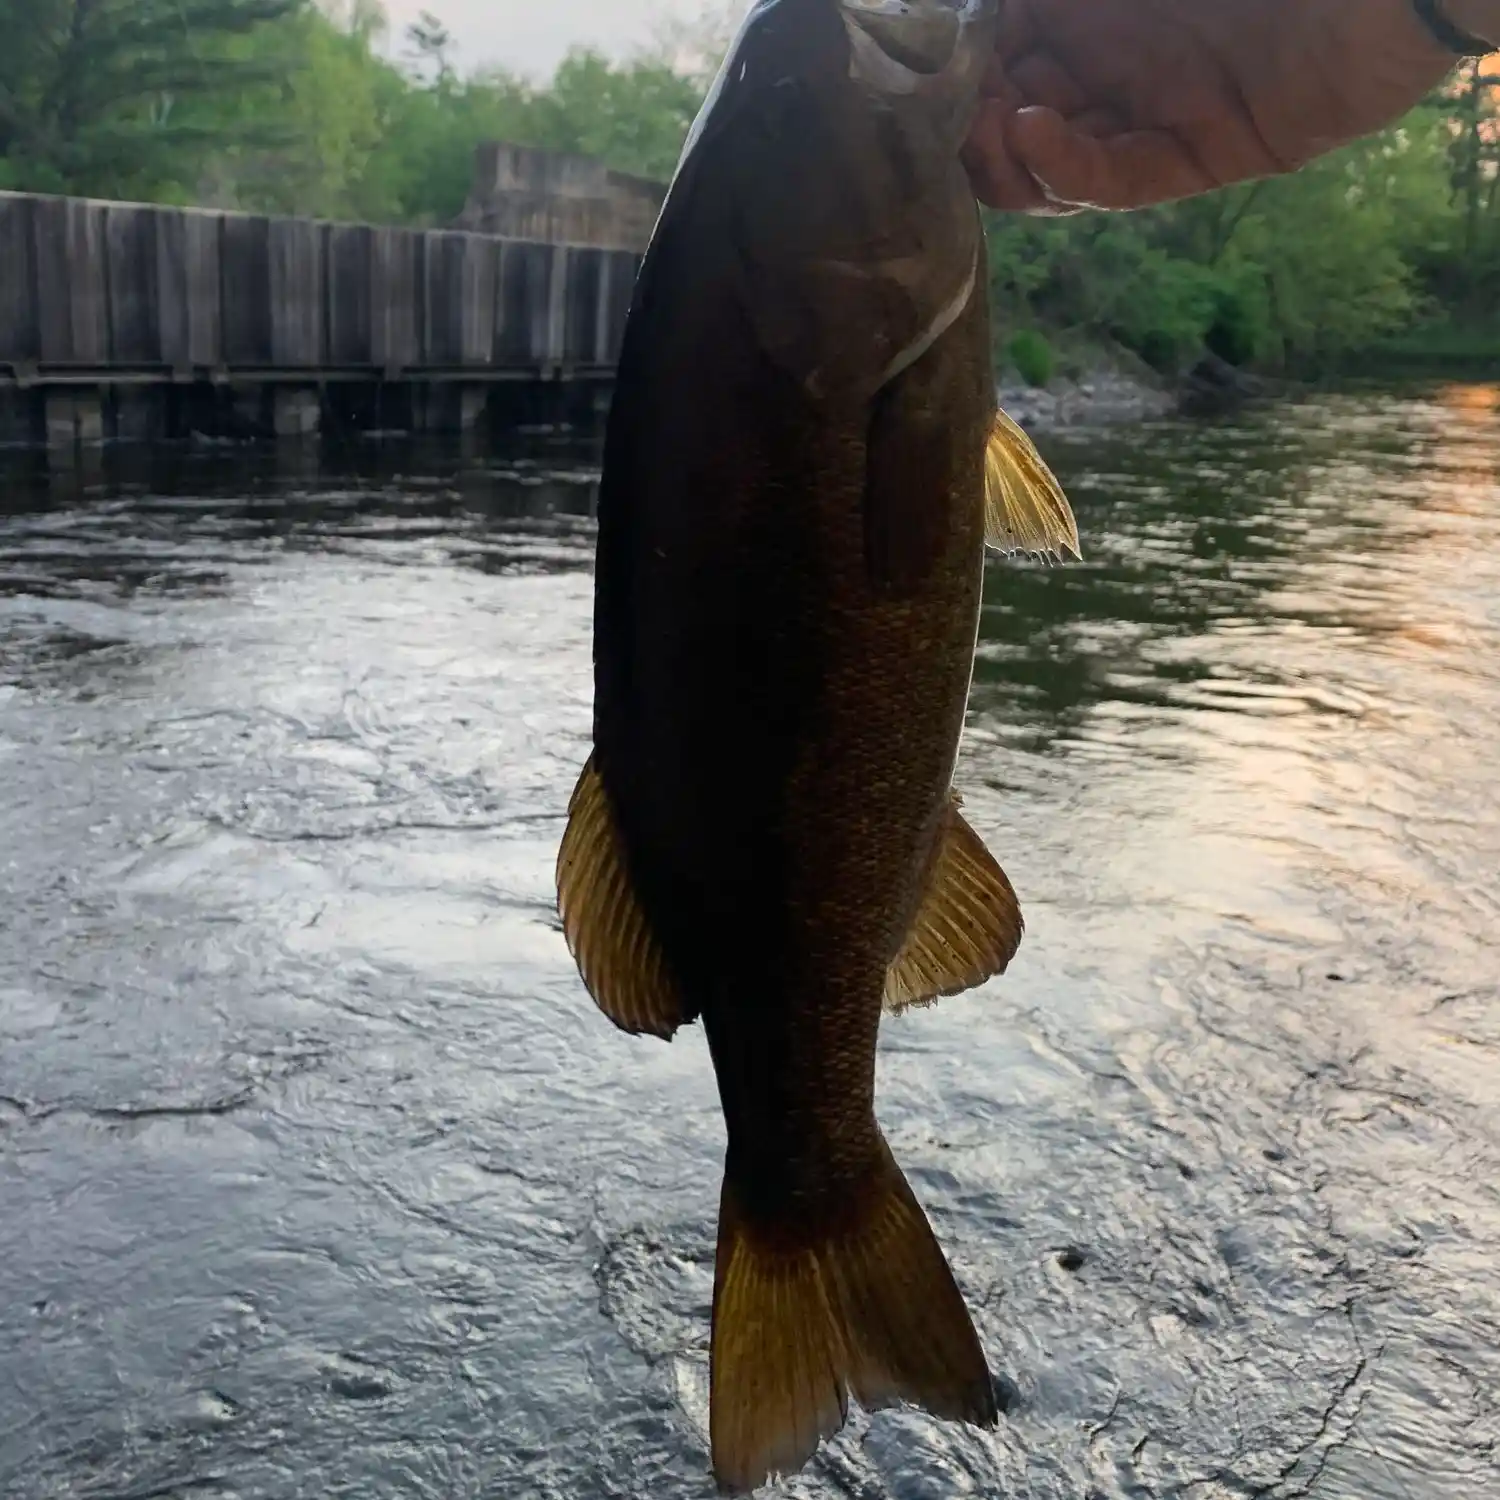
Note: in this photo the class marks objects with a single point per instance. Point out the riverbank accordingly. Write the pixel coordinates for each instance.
(1106, 394)
(1099, 398)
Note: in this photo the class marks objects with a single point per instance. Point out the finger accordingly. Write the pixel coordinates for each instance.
(1131, 170)
(998, 179)
(1041, 79)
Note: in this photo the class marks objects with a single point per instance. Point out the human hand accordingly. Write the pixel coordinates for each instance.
(1123, 103)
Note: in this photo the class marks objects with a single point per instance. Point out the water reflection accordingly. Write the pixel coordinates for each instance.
(1218, 554)
(1478, 400)
(159, 521)
(320, 1174)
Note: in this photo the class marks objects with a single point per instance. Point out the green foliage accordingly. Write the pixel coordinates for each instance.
(1299, 272)
(292, 107)
(95, 95)
(323, 102)
(295, 106)
(1238, 330)
(635, 118)
(1031, 354)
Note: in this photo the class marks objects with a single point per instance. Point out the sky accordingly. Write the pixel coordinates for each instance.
(530, 36)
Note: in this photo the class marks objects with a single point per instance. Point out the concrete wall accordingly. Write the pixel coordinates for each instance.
(117, 289)
(563, 199)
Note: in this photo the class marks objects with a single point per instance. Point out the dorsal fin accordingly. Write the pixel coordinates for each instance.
(967, 929)
(1025, 509)
(617, 953)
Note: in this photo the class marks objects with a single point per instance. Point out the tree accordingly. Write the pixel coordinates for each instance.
(91, 91)
(432, 44)
(302, 141)
(633, 116)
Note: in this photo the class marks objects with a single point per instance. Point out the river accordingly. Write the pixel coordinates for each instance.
(321, 1176)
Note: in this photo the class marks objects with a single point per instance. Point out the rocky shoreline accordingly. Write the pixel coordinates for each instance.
(1100, 398)
(1107, 397)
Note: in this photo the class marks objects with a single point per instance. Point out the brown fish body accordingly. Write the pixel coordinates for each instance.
(788, 594)
(792, 529)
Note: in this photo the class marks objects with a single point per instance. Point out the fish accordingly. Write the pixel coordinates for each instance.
(803, 464)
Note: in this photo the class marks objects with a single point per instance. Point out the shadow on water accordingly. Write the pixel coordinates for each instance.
(172, 506)
(319, 1174)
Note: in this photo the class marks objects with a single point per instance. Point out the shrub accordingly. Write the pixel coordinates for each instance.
(1031, 354)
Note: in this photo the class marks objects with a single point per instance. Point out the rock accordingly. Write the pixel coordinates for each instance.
(1214, 386)
(1103, 396)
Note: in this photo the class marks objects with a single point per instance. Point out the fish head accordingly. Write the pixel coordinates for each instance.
(922, 60)
(826, 167)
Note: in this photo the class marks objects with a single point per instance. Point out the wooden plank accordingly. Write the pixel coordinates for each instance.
(20, 331)
(204, 255)
(294, 251)
(189, 321)
(460, 298)
(245, 298)
(396, 279)
(477, 293)
(602, 327)
(173, 323)
(348, 254)
(552, 349)
(581, 300)
(90, 290)
(441, 290)
(131, 272)
(498, 335)
(70, 284)
(54, 311)
(525, 303)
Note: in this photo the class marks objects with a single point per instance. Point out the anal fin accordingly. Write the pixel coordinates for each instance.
(618, 955)
(967, 929)
(1025, 509)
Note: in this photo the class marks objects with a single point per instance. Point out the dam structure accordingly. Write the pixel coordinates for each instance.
(126, 321)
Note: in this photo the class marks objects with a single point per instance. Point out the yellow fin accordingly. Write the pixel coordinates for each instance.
(967, 929)
(1025, 509)
(804, 1320)
(617, 953)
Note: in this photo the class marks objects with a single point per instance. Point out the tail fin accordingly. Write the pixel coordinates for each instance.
(872, 1311)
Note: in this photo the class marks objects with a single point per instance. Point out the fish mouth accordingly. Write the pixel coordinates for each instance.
(920, 35)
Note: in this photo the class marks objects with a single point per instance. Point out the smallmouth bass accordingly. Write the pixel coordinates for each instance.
(803, 464)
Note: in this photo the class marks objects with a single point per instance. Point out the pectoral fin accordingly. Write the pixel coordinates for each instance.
(967, 929)
(1025, 509)
(608, 933)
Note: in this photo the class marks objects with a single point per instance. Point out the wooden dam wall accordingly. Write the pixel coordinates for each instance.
(122, 319)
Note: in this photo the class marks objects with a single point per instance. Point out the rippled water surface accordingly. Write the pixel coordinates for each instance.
(321, 1176)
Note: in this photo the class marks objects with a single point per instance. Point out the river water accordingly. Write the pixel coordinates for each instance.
(321, 1176)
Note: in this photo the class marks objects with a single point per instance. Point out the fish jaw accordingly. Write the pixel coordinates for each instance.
(926, 53)
(919, 38)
